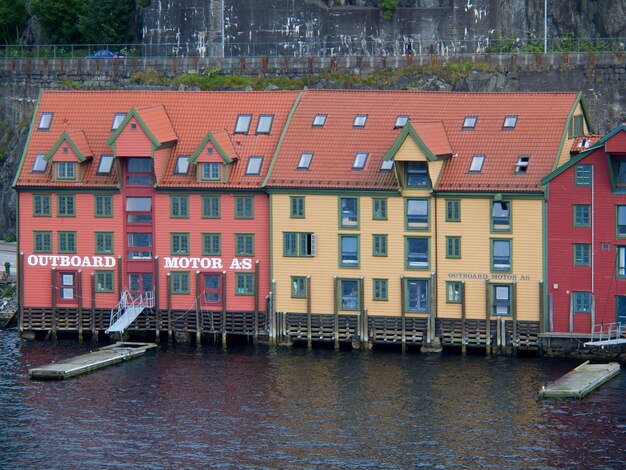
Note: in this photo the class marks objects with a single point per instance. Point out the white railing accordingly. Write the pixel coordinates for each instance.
(608, 332)
(145, 300)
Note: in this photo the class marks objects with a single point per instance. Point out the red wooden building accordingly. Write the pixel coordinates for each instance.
(586, 236)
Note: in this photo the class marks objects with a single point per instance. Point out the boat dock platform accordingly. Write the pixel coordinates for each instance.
(581, 381)
(103, 357)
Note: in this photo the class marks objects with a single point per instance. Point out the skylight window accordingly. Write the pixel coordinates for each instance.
(470, 122)
(477, 163)
(182, 165)
(359, 120)
(319, 120)
(40, 164)
(243, 123)
(305, 161)
(522, 164)
(509, 122)
(265, 124)
(386, 165)
(105, 165)
(117, 120)
(359, 161)
(44, 121)
(254, 166)
(401, 121)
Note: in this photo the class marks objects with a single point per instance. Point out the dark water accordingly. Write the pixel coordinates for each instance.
(180, 407)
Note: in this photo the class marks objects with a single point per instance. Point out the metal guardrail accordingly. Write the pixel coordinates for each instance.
(608, 332)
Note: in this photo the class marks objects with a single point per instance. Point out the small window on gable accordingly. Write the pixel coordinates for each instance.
(509, 122)
(254, 166)
(359, 161)
(265, 124)
(117, 120)
(470, 122)
(44, 121)
(105, 165)
(522, 164)
(359, 120)
(386, 165)
(319, 120)
(305, 161)
(401, 121)
(182, 165)
(243, 123)
(40, 164)
(477, 163)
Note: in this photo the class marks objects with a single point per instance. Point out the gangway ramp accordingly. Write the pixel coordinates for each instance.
(607, 335)
(128, 309)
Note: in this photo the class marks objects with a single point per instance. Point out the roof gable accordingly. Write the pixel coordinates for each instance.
(433, 144)
(76, 141)
(221, 142)
(154, 122)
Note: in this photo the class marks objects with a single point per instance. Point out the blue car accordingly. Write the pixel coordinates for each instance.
(105, 54)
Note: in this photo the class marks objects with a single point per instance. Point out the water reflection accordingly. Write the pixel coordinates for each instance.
(186, 408)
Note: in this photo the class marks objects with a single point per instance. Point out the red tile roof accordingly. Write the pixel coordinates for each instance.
(583, 142)
(158, 123)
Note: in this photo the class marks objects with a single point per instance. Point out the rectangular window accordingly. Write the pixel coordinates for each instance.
(211, 207)
(117, 120)
(297, 207)
(360, 160)
(581, 215)
(104, 242)
(67, 286)
(453, 292)
(243, 123)
(244, 283)
(211, 244)
(583, 175)
(582, 302)
(379, 245)
(42, 242)
(212, 288)
(501, 295)
(380, 208)
(264, 126)
(360, 120)
(244, 207)
(299, 244)
(104, 281)
(417, 214)
(305, 161)
(582, 254)
(349, 289)
(619, 173)
(453, 247)
(67, 242)
(621, 261)
(386, 165)
(469, 122)
(298, 287)
(501, 255)
(401, 122)
(522, 164)
(179, 243)
(66, 205)
(453, 211)
(244, 244)
(180, 282)
(182, 165)
(509, 122)
(254, 166)
(501, 216)
(578, 125)
(621, 221)
(40, 164)
(65, 170)
(417, 252)
(210, 171)
(417, 296)
(349, 255)
(319, 120)
(349, 212)
(417, 175)
(44, 121)
(477, 163)
(41, 205)
(179, 206)
(103, 206)
(380, 289)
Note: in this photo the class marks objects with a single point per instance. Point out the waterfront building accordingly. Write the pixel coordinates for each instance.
(586, 237)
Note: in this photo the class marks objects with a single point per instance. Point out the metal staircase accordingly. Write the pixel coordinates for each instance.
(128, 309)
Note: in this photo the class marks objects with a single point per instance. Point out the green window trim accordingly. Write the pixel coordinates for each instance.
(103, 206)
(296, 204)
(416, 260)
(179, 282)
(211, 207)
(299, 244)
(211, 244)
(244, 284)
(104, 242)
(349, 294)
(501, 216)
(379, 208)
(582, 217)
(347, 259)
(502, 300)
(453, 247)
(66, 205)
(582, 254)
(244, 244)
(583, 174)
(379, 245)
(380, 289)
(620, 261)
(65, 171)
(620, 221)
(417, 220)
(42, 241)
(582, 302)
(104, 281)
(348, 213)
(179, 244)
(244, 207)
(67, 242)
(298, 287)
(179, 207)
(500, 263)
(42, 205)
(454, 292)
(210, 171)
(453, 210)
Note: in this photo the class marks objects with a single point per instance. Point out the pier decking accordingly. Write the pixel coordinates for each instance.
(103, 357)
(582, 380)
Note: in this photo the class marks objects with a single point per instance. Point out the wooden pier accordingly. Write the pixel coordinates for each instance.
(581, 381)
(103, 357)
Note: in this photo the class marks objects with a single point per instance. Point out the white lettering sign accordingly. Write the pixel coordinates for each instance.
(65, 261)
(184, 262)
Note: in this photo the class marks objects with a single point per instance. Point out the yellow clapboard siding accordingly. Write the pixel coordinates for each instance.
(567, 144)
(409, 151)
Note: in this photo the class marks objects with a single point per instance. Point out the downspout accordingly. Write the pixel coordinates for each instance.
(593, 250)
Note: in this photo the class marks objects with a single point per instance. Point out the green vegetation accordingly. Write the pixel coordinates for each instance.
(388, 7)
(13, 17)
(9, 237)
(150, 77)
(567, 43)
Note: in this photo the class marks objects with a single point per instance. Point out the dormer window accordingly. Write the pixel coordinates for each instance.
(117, 120)
(509, 122)
(477, 163)
(620, 174)
(44, 121)
(182, 165)
(65, 170)
(359, 120)
(105, 165)
(264, 125)
(305, 161)
(470, 122)
(319, 120)
(254, 166)
(401, 121)
(522, 164)
(210, 171)
(386, 165)
(417, 174)
(40, 164)
(243, 123)
(359, 161)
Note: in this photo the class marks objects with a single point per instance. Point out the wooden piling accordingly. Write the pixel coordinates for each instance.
(463, 322)
(92, 314)
(53, 330)
(309, 332)
(256, 302)
(157, 310)
(198, 311)
(487, 319)
(224, 306)
(20, 291)
(169, 307)
(514, 317)
(336, 312)
(79, 291)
